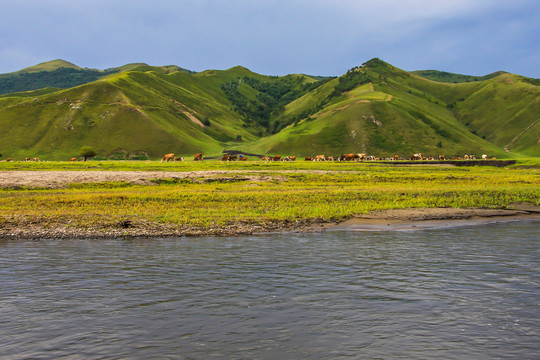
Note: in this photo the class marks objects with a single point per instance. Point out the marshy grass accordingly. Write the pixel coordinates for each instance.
(308, 192)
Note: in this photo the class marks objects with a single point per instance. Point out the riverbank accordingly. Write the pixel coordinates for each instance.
(109, 204)
(386, 220)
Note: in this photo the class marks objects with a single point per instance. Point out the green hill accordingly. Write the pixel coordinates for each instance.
(49, 66)
(447, 77)
(144, 111)
(382, 110)
(62, 74)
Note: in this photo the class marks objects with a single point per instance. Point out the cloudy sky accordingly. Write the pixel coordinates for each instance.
(275, 37)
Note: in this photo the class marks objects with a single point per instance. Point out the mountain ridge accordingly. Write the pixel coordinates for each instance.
(375, 108)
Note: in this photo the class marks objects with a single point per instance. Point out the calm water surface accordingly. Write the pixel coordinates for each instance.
(463, 293)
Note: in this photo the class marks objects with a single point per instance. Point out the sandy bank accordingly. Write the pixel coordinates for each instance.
(436, 218)
(387, 220)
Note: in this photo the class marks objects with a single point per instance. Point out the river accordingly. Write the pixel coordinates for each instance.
(455, 293)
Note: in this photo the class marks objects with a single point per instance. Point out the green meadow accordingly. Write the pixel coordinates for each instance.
(304, 192)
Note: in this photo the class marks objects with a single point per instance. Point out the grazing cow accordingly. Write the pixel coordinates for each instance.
(466, 157)
(289, 158)
(73, 159)
(276, 158)
(9, 159)
(27, 159)
(242, 158)
(35, 159)
(349, 157)
(229, 158)
(319, 158)
(198, 157)
(441, 157)
(266, 158)
(330, 158)
(168, 157)
(396, 157)
(418, 156)
(179, 159)
(308, 158)
(472, 157)
(484, 157)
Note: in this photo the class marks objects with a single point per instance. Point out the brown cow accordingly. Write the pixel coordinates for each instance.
(266, 158)
(27, 159)
(319, 158)
(242, 158)
(289, 158)
(73, 159)
(35, 159)
(229, 158)
(349, 157)
(198, 157)
(308, 158)
(168, 157)
(9, 159)
(179, 159)
(276, 158)
(441, 157)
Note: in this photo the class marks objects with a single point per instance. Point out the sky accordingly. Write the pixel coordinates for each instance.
(275, 37)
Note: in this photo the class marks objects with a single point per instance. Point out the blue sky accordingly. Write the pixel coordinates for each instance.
(275, 37)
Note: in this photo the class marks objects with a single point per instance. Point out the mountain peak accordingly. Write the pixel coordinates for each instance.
(49, 66)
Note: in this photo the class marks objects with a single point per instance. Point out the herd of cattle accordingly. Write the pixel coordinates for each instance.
(343, 157)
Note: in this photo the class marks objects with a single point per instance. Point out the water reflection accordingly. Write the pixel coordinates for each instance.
(454, 293)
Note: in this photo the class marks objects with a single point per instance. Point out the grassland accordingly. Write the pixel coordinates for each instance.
(233, 198)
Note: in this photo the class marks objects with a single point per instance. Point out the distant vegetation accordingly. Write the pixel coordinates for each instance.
(447, 77)
(59, 78)
(272, 94)
(352, 79)
(87, 152)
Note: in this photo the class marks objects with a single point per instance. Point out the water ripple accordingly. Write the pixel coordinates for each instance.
(452, 293)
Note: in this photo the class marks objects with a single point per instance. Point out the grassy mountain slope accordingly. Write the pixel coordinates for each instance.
(395, 111)
(125, 113)
(49, 66)
(375, 108)
(63, 74)
(447, 77)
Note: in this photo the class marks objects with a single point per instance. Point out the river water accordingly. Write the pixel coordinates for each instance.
(461, 293)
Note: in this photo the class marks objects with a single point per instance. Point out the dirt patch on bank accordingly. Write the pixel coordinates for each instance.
(434, 218)
(62, 179)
